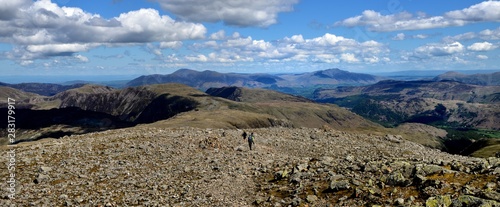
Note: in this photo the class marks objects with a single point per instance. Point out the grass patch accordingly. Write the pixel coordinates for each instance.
(490, 149)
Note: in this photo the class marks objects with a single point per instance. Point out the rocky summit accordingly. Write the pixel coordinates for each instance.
(150, 166)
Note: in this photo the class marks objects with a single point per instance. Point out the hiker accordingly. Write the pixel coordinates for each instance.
(250, 140)
(244, 134)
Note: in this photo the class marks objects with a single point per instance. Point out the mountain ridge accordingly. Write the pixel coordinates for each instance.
(491, 79)
(466, 104)
(44, 89)
(175, 104)
(209, 79)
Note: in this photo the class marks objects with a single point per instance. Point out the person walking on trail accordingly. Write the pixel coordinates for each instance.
(250, 140)
(244, 134)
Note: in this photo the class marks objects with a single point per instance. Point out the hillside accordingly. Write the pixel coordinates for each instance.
(394, 102)
(44, 89)
(146, 165)
(109, 108)
(22, 99)
(96, 108)
(253, 95)
(492, 79)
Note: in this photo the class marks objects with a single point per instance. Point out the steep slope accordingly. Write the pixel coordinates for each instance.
(492, 79)
(255, 108)
(136, 104)
(394, 102)
(22, 99)
(96, 108)
(253, 95)
(297, 111)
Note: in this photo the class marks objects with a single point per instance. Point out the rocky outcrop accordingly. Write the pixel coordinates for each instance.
(214, 167)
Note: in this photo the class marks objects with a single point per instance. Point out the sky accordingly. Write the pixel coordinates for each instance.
(141, 37)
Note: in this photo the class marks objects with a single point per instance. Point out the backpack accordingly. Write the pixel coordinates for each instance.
(250, 138)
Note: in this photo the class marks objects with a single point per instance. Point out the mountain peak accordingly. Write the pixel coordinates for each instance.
(184, 71)
(338, 74)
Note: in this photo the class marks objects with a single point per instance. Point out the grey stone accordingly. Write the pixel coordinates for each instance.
(302, 167)
(400, 201)
(395, 139)
(311, 198)
(426, 170)
(467, 200)
(44, 169)
(395, 179)
(41, 178)
(338, 185)
(281, 174)
(438, 201)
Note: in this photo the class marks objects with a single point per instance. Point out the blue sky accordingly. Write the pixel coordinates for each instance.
(125, 37)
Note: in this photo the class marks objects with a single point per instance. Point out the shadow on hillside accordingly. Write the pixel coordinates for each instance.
(72, 116)
(56, 123)
(70, 121)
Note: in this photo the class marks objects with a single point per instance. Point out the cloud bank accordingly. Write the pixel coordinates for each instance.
(486, 11)
(42, 29)
(261, 13)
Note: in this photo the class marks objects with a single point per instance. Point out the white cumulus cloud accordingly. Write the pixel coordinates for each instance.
(261, 13)
(489, 34)
(481, 46)
(81, 58)
(482, 57)
(172, 45)
(349, 57)
(399, 36)
(486, 11)
(219, 35)
(328, 48)
(431, 50)
(42, 29)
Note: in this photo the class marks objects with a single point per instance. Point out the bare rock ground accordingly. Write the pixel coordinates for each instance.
(147, 166)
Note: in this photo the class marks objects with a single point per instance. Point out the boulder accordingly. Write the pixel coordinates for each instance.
(467, 200)
(281, 174)
(426, 170)
(338, 185)
(395, 179)
(438, 201)
(311, 199)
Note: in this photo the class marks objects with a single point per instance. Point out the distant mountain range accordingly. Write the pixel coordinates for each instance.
(302, 84)
(45, 89)
(208, 79)
(491, 79)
